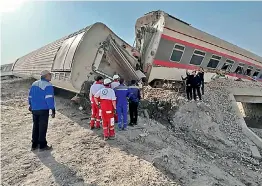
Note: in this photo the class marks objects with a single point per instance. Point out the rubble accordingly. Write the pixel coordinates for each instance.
(190, 143)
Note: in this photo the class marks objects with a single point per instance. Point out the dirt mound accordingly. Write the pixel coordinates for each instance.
(193, 143)
(80, 156)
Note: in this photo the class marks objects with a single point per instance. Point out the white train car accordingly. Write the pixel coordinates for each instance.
(6, 71)
(169, 47)
(80, 56)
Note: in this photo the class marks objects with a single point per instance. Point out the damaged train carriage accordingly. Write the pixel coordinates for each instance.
(79, 57)
(169, 47)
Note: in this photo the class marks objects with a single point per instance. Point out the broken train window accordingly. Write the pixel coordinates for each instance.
(240, 68)
(227, 65)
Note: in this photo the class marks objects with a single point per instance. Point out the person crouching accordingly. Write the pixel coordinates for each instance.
(107, 99)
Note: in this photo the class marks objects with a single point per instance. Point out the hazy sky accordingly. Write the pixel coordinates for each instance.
(35, 24)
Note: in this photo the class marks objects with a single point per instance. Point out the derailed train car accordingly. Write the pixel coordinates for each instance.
(169, 46)
(165, 47)
(6, 71)
(80, 56)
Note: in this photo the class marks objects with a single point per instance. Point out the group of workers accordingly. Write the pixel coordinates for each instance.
(194, 82)
(106, 98)
(110, 102)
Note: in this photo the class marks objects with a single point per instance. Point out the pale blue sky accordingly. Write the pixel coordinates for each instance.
(38, 23)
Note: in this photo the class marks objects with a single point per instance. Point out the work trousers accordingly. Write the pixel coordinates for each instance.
(108, 123)
(189, 92)
(196, 89)
(133, 106)
(40, 125)
(202, 87)
(96, 115)
(121, 110)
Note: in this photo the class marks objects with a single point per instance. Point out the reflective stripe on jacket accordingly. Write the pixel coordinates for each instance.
(121, 94)
(41, 95)
(134, 93)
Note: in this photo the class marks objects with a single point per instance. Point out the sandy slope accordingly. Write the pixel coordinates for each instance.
(201, 146)
(80, 156)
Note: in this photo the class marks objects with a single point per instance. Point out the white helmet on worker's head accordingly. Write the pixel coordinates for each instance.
(107, 81)
(45, 72)
(116, 77)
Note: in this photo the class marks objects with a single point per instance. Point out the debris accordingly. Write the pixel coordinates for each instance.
(192, 143)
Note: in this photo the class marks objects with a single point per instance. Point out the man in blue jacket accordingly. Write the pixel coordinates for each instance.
(121, 92)
(41, 100)
(134, 99)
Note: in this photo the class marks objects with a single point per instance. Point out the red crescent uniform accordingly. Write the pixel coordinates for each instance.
(107, 96)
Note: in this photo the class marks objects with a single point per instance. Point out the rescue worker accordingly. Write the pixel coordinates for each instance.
(41, 100)
(188, 79)
(107, 99)
(115, 82)
(134, 98)
(121, 104)
(96, 113)
(201, 74)
(196, 83)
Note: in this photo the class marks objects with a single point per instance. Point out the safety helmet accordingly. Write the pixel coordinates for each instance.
(107, 81)
(116, 77)
(45, 72)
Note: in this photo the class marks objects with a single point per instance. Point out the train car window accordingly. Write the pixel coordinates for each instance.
(213, 62)
(240, 68)
(197, 57)
(227, 65)
(177, 53)
(256, 73)
(249, 70)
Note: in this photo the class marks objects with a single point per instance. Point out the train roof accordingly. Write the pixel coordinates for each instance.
(208, 38)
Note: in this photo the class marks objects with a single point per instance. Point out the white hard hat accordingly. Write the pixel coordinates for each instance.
(115, 77)
(45, 72)
(107, 81)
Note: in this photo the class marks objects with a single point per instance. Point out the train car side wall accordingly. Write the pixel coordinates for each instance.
(176, 54)
(167, 67)
(195, 35)
(88, 54)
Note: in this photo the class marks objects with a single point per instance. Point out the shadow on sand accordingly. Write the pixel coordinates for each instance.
(125, 140)
(63, 175)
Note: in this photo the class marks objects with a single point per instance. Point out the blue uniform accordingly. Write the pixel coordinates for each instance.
(41, 96)
(134, 98)
(41, 100)
(121, 104)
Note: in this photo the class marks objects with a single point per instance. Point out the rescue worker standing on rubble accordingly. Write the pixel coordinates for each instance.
(115, 82)
(201, 74)
(188, 79)
(121, 104)
(196, 83)
(134, 99)
(41, 100)
(113, 85)
(96, 113)
(107, 99)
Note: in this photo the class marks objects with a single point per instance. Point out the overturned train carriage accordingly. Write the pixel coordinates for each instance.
(169, 47)
(80, 56)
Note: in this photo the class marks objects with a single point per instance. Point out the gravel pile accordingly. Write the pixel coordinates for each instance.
(211, 128)
(193, 143)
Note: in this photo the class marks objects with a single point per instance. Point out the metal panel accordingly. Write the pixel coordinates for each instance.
(42, 58)
(177, 26)
(71, 52)
(62, 53)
